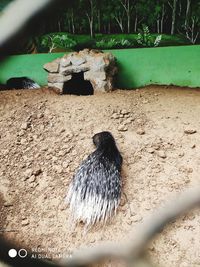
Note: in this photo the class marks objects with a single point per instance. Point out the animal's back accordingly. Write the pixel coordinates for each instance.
(95, 191)
(21, 83)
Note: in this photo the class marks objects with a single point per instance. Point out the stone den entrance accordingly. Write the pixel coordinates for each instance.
(82, 73)
(77, 85)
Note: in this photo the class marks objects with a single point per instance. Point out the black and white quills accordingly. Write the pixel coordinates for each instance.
(95, 191)
(21, 83)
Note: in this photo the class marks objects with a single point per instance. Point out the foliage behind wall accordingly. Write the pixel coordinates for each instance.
(115, 24)
(127, 16)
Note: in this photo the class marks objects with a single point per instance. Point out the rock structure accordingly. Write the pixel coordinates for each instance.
(99, 68)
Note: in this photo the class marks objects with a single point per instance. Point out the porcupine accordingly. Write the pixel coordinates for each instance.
(95, 191)
(21, 83)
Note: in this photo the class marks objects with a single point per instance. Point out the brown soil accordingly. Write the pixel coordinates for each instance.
(44, 137)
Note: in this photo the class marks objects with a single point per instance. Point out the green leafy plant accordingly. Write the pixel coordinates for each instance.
(145, 39)
(49, 42)
(157, 40)
(113, 43)
(106, 44)
(125, 43)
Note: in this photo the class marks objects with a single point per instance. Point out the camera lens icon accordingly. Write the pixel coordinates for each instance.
(12, 253)
(22, 253)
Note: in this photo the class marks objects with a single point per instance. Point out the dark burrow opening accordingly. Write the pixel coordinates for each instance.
(78, 86)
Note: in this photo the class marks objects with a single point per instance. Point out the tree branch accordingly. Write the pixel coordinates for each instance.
(170, 4)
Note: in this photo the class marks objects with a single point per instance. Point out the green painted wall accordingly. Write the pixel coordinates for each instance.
(137, 67)
(178, 65)
(26, 65)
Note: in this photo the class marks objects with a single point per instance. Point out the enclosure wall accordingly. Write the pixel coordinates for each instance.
(137, 67)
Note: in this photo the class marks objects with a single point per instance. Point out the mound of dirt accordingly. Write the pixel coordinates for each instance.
(45, 136)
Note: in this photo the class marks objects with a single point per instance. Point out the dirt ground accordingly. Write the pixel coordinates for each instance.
(43, 139)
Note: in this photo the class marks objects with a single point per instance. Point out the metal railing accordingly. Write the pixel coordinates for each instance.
(132, 251)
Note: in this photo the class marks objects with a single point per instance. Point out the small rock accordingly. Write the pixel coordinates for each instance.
(74, 153)
(54, 158)
(25, 222)
(153, 183)
(182, 169)
(32, 179)
(37, 172)
(190, 170)
(132, 210)
(181, 154)
(58, 168)
(30, 138)
(8, 203)
(122, 128)
(24, 126)
(37, 155)
(157, 170)
(187, 180)
(44, 148)
(21, 133)
(115, 116)
(128, 121)
(139, 121)
(136, 218)
(40, 115)
(28, 173)
(190, 131)
(41, 106)
(148, 207)
(140, 131)
(62, 153)
(29, 118)
(193, 146)
(150, 150)
(42, 127)
(129, 221)
(65, 164)
(127, 115)
(23, 141)
(5, 152)
(161, 154)
(124, 112)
